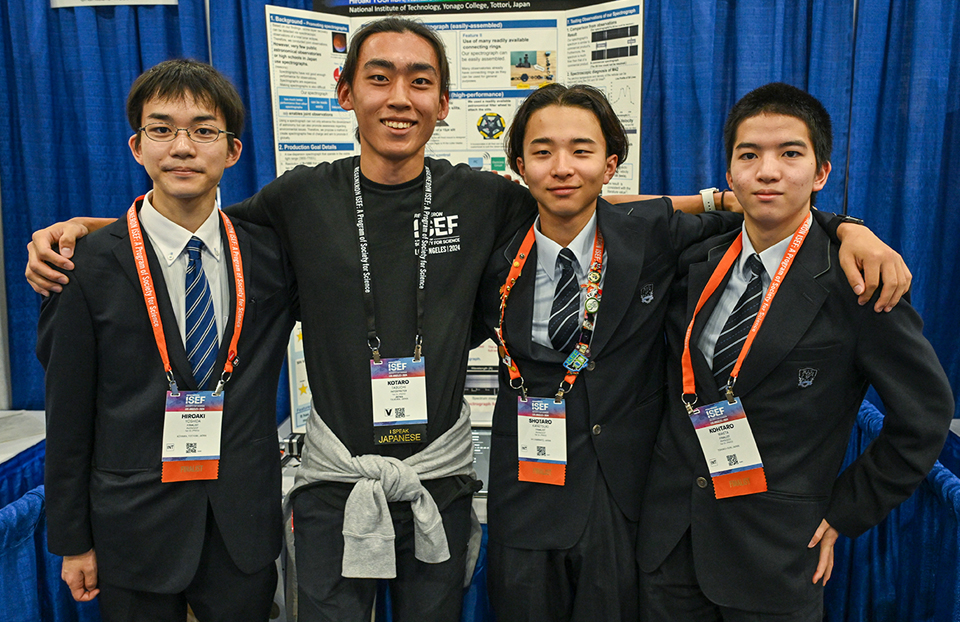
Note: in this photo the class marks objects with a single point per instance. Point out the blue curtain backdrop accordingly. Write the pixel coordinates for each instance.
(700, 57)
(905, 151)
(889, 76)
(64, 76)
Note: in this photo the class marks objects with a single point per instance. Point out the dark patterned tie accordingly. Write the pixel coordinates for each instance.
(738, 325)
(202, 346)
(565, 314)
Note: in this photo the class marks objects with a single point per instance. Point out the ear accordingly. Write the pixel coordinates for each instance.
(729, 179)
(821, 178)
(135, 149)
(520, 168)
(234, 154)
(444, 106)
(611, 168)
(344, 96)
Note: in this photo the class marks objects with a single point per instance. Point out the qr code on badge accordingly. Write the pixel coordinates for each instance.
(541, 450)
(399, 413)
(732, 460)
(191, 448)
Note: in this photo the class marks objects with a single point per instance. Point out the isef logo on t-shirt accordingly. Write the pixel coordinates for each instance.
(443, 233)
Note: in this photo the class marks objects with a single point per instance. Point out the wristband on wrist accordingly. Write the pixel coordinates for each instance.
(853, 220)
(722, 194)
(707, 196)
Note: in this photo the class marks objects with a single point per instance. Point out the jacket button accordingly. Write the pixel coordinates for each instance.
(596, 430)
(702, 482)
(591, 365)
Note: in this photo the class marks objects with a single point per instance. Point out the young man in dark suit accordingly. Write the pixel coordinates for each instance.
(743, 502)
(165, 306)
(563, 520)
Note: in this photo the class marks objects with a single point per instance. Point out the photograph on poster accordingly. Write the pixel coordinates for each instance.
(532, 69)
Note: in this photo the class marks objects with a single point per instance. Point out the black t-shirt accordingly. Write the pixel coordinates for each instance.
(313, 210)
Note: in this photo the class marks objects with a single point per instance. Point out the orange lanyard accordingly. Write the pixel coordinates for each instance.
(153, 308)
(593, 291)
(689, 382)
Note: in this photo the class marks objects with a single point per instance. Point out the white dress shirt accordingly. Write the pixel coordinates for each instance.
(739, 277)
(169, 241)
(548, 274)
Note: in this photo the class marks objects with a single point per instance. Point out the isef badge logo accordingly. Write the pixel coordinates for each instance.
(807, 374)
(646, 294)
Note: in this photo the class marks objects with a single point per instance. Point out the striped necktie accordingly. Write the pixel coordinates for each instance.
(565, 313)
(202, 346)
(738, 325)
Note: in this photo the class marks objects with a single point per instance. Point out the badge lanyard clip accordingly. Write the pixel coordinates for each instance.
(418, 348)
(173, 383)
(374, 343)
(732, 380)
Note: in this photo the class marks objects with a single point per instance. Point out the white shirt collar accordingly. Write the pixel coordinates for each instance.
(170, 238)
(582, 247)
(770, 258)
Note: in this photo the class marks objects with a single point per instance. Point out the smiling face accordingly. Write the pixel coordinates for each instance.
(773, 171)
(396, 97)
(185, 174)
(565, 165)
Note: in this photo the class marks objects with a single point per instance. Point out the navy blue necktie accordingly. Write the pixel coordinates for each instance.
(202, 342)
(738, 325)
(565, 313)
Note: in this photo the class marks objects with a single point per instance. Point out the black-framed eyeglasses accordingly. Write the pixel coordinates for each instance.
(198, 133)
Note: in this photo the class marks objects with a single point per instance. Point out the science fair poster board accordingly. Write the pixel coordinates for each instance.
(498, 52)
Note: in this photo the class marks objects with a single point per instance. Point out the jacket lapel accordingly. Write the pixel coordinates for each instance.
(625, 255)
(228, 330)
(699, 274)
(792, 312)
(171, 330)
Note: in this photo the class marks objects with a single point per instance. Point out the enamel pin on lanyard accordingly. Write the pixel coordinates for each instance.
(723, 430)
(541, 421)
(192, 419)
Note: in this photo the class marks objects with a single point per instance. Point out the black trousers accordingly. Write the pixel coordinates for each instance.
(219, 592)
(672, 592)
(421, 592)
(596, 579)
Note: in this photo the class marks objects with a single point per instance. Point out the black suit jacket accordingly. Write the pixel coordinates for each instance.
(614, 409)
(750, 552)
(105, 394)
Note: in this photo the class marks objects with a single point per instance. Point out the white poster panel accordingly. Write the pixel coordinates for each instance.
(306, 52)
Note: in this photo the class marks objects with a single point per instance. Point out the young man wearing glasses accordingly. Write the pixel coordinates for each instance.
(160, 490)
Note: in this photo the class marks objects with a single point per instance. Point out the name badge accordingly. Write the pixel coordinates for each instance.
(729, 448)
(399, 389)
(542, 440)
(191, 436)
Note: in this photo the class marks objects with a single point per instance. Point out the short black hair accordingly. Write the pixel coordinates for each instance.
(579, 96)
(397, 25)
(176, 79)
(780, 98)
